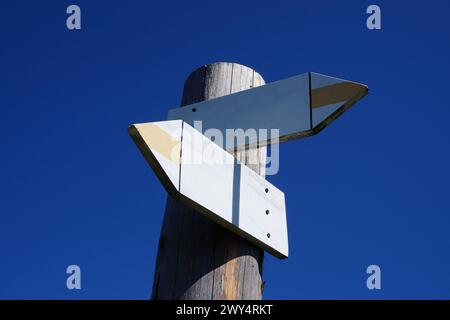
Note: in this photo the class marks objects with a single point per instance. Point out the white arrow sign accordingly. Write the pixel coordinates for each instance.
(299, 106)
(205, 177)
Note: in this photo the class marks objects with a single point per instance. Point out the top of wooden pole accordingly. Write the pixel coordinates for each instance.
(219, 78)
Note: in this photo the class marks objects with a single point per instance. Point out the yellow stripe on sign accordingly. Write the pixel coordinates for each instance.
(342, 91)
(160, 141)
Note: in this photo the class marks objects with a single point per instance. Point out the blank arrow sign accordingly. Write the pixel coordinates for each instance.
(207, 178)
(298, 107)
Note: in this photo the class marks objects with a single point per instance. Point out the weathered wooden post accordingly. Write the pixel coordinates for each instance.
(197, 258)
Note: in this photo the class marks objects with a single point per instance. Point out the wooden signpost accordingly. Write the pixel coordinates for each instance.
(197, 257)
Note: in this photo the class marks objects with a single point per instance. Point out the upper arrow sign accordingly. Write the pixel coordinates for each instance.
(298, 107)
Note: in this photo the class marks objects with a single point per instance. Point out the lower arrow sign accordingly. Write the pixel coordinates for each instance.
(205, 177)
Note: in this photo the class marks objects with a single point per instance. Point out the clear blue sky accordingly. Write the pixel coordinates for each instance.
(372, 188)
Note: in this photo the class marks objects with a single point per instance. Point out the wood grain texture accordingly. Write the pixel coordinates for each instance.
(197, 258)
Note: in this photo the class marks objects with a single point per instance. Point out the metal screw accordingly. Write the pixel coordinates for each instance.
(268, 235)
(267, 190)
(267, 211)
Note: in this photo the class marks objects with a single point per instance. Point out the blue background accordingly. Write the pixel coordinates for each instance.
(373, 188)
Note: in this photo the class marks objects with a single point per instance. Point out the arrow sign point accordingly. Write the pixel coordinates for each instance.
(160, 144)
(330, 97)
